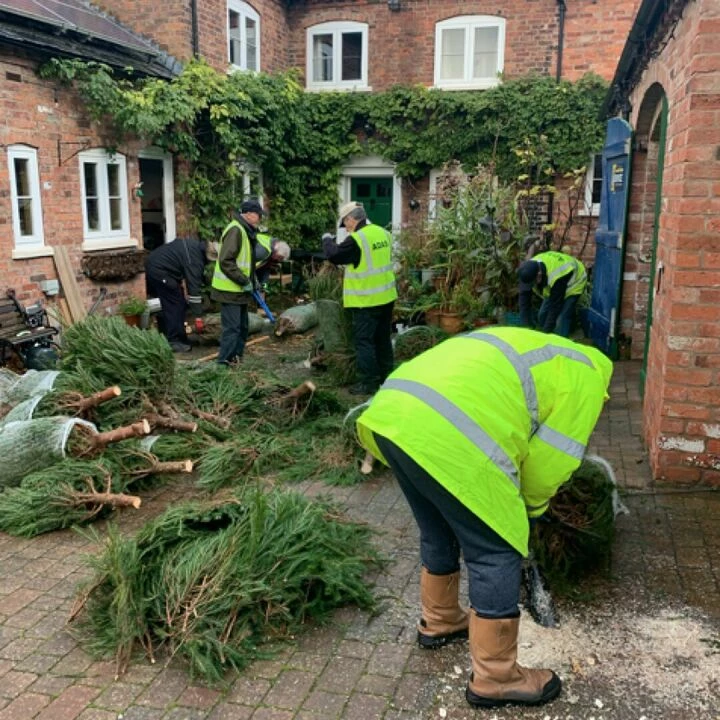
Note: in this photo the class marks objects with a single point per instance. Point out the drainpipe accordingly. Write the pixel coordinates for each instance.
(561, 38)
(195, 31)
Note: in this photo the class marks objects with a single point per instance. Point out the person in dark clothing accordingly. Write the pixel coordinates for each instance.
(234, 280)
(368, 291)
(166, 269)
(560, 280)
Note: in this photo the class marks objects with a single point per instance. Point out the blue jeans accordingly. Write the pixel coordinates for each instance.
(235, 328)
(566, 318)
(446, 527)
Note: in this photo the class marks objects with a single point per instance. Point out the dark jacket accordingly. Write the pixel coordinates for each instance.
(229, 251)
(183, 259)
(554, 302)
(347, 252)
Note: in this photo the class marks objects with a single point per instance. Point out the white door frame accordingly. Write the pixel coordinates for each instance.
(360, 166)
(155, 153)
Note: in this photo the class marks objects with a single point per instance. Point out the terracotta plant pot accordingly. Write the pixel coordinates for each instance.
(451, 323)
(132, 320)
(483, 322)
(432, 317)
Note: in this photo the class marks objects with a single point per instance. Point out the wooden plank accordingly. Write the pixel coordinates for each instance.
(69, 283)
(247, 344)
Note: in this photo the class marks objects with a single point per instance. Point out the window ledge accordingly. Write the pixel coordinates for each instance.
(339, 88)
(482, 85)
(32, 252)
(109, 244)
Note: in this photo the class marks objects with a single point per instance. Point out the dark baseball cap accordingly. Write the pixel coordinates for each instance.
(527, 274)
(252, 205)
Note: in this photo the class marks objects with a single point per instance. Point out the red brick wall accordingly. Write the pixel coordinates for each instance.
(402, 43)
(36, 113)
(169, 24)
(682, 392)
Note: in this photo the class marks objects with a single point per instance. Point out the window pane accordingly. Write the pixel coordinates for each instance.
(115, 217)
(363, 190)
(22, 177)
(351, 56)
(322, 58)
(89, 171)
(452, 54)
(485, 60)
(93, 219)
(251, 44)
(25, 216)
(113, 175)
(234, 37)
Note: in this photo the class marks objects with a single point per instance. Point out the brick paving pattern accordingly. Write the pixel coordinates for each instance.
(356, 667)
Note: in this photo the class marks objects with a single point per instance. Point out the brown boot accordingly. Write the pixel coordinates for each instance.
(496, 677)
(443, 620)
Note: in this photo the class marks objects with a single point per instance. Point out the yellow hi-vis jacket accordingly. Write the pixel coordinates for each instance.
(499, 417)
(220, 280)
(372, 282)
(559, 265)
(265, 241)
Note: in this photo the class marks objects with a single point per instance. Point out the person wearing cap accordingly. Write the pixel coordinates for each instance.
(167, 268)
(234, 279)
(368, 291)
(560, 280)
(480, 432)
(269, 253)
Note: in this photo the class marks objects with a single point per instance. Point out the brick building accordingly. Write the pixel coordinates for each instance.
(668, 88)
(50, 146)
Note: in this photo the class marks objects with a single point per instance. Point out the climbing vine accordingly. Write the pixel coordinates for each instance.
(219, 124)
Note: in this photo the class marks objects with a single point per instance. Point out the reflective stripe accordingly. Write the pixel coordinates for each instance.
(561, 442)
(374, 291)
(560, 271)
(543, 354)
(353, 275)
(366, 249)
(522, 369)
(530, 508)
(462, 422)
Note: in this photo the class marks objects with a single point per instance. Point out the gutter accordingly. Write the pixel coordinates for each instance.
(195, 28)
(562, 7)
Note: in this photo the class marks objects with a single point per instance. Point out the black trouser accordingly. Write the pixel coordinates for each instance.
(235, 328)
(172, 307)
(372, 330)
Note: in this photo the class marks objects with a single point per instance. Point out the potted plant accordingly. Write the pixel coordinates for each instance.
(132, 309)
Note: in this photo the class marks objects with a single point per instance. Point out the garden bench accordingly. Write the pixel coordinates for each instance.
(22, 328)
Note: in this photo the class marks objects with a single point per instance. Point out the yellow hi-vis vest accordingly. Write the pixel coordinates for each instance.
(559, 265)
(499, 417)
(372, 282)
(220, 280)
(266, 242)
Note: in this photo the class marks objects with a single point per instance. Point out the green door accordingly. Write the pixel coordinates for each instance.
(376, 196)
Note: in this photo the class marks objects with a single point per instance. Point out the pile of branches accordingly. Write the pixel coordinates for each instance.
(212, 581)
(575, 536)
(123, 414)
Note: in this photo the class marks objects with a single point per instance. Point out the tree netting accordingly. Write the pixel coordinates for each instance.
(213, 581)
(297, 319)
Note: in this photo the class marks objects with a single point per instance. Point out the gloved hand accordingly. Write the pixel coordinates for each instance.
(199, 326)
(328, 236)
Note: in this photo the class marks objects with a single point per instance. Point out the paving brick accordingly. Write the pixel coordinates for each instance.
(388, 659)
(229, 711)
(341, 675)
(69, 704)
(198, 697)
(361, 706)
(164, 689)
(272, 714)
(184, 713)
(249, 691)
(118, 696)
(25, 707)
(52, 684)
(135, 712)
(13, 683)
(95, 714)
(326, 704)
(290, 689)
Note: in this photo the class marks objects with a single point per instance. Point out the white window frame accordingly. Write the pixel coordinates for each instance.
(247, 170)
(590, 208)
(105, 235)
(246, 12)
(37, 239)
(337, 29)
(469, 23)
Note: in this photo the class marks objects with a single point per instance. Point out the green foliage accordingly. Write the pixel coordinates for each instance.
(223, 124)
(213, 581)
(132, 306)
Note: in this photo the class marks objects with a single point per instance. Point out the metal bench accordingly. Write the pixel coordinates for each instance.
(22, 329)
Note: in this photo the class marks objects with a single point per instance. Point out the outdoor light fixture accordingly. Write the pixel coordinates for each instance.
(394, 4)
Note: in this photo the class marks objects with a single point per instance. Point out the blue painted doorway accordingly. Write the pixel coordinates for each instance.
(610, 237)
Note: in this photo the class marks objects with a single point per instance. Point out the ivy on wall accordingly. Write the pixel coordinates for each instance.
(218, 123)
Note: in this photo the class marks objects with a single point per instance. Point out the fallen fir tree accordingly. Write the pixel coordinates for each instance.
(212, 582)
(575, 535)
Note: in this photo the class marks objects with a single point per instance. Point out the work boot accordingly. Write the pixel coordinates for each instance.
(179, 347)
(443, 620)
(496, 677)
(362, 389)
